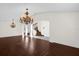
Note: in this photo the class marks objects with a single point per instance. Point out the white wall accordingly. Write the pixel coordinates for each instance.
(64, 27)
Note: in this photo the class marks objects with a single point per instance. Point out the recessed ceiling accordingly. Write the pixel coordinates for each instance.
(41, 7)
(12, 10)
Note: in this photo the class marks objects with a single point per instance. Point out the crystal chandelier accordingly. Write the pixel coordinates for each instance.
(26, 19)
(13, 24)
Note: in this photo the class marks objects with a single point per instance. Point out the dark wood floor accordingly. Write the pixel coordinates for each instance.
(16, 46)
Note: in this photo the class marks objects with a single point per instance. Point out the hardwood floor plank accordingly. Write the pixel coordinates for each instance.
(15, 46)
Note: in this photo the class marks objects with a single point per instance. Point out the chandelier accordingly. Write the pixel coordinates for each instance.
(13, 24)
(26, 19)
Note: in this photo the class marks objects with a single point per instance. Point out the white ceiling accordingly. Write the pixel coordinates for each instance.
(12, 10)
(42, 7)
